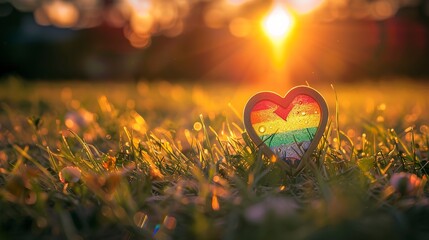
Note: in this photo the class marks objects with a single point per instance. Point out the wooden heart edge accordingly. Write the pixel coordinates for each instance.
(284, 102)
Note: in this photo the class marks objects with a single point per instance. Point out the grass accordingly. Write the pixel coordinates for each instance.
(172, 161)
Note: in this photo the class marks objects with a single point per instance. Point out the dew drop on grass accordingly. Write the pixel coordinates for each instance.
(198, 126)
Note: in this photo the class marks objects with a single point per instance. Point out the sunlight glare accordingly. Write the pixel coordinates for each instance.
(278, 24)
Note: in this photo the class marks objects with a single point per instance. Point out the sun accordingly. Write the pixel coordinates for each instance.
(278, 24)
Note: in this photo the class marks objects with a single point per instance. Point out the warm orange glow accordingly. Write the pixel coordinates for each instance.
(305, 6)
(278, 24)
(61, 14)
(140, 6)
(239, 27)
(142, 24)
(213, 18)
(215, 203)
(383, 9)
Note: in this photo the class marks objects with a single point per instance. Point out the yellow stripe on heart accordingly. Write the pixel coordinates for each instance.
(280, 126)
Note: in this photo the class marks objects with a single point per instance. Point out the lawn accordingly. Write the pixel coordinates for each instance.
(163, 160)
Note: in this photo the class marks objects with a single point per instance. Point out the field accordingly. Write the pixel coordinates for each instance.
(162, 160)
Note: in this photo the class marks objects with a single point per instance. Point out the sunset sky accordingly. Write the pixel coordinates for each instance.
(238, 40)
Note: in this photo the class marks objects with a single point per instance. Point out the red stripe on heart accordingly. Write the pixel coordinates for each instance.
(264, 105)
(283, 112)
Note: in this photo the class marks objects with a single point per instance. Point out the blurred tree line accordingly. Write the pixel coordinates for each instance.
(334, 43)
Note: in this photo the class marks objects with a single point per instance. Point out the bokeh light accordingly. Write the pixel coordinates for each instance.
(305, 6)
(58, 13)
(383, 9)
(240, 27)
(319, 37)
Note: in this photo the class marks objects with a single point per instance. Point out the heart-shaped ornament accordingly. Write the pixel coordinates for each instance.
(289, 128)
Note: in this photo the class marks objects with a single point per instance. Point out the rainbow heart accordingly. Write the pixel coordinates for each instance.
(289, 128)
